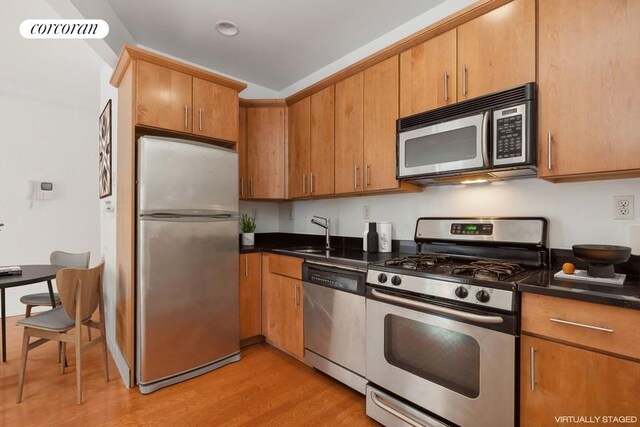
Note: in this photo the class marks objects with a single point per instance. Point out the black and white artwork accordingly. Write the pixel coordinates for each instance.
(105, 151)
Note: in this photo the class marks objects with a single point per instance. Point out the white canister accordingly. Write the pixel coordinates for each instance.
(364, 236)
(384, 236)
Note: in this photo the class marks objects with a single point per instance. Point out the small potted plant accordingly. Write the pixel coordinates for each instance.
(248, 228)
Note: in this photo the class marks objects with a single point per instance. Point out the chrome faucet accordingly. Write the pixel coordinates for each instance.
(327, 225)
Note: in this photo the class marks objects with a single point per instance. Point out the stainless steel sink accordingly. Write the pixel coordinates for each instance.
(310, 249)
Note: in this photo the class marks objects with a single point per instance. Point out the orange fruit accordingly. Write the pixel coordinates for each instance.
(568, 268)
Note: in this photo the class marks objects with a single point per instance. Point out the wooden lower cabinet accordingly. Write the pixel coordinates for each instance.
(250, 295)
(570, 381)
(282, 298)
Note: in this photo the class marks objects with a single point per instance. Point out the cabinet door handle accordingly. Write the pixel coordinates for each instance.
(295, 297)
(582, 325)
(367, 177)
(199, 118)
(311, 183)
(246, 266)
(549, 165)
(446, 86)
(355, 177)
(532, 368)
(251, 187)
(464, 79)
(304, 183)
(241, 187)
(186, 116)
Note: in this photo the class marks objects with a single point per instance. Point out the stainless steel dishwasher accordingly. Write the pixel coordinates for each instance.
(334, 321)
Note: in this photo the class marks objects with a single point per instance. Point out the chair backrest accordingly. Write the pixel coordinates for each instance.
(70, 260)
(85, 283)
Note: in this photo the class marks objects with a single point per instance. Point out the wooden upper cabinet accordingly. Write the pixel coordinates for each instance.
(588, 71)
(300, 148)
(163, 98)
(170, 95)
(266, 152)
(380, 115)
(428, 75)
(215, 110)
(498, 49)
(322, 142)
(349, 134)
(241, 148)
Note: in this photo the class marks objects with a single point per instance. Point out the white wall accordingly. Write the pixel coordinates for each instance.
(108, 227)
(577, 212)
(49, 111)
(267, 215)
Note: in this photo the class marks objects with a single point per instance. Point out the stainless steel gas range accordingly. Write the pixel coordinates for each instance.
(442, 325)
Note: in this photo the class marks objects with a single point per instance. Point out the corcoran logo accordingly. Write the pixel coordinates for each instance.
(64, 29)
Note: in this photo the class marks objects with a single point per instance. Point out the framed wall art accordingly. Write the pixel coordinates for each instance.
(105, 151)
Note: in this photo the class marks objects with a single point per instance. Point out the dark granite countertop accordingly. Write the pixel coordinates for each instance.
(342, 256)
(348, 249)
(627, 295)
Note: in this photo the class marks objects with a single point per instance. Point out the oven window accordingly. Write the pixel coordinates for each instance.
(441, 147)
(447, 358)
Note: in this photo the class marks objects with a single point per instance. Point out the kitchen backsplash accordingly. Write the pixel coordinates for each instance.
(577, 212)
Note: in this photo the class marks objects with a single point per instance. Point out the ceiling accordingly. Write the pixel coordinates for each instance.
(280, 41)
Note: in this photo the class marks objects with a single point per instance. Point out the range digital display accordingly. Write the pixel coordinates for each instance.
(468, 229)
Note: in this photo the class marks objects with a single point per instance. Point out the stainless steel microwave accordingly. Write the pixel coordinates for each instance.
(491, 137)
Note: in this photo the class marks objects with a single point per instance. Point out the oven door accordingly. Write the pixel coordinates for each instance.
(453, 146)
(450, 364)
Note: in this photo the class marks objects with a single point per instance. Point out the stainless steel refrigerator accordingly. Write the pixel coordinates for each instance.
(187, 260)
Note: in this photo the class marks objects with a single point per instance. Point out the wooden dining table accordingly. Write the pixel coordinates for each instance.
(30, 274)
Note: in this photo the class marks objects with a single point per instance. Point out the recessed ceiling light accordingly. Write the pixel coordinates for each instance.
(227, 28)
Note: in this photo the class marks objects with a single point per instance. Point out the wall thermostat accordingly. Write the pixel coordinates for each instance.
(41, 190)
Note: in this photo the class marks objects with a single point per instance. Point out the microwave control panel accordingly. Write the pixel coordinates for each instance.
(509, 127)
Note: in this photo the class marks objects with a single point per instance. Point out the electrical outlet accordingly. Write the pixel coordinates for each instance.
(366, 212)
(254, 213)
(623, 207)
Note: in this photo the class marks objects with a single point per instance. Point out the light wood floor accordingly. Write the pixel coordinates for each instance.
(266, 387)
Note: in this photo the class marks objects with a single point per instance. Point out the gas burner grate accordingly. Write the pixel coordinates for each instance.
(416, 262)
(488, 270)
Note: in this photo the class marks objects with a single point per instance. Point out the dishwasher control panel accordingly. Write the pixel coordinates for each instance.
(334, 277)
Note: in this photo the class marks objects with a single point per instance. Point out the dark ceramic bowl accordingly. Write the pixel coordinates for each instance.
(601, 254)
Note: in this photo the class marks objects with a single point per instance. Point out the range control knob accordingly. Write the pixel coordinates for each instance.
(396, 280)
(483, 296)
(462, 292)
(382, 278)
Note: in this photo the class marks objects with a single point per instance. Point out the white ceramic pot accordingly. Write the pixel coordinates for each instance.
(248, 239)
(384, 236)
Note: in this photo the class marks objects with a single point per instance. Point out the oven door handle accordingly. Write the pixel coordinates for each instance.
(395, 412)
(438, 309)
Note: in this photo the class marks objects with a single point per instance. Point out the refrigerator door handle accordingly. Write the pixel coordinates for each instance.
(162, 215)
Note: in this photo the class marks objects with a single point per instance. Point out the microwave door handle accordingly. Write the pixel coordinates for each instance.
(485, 138)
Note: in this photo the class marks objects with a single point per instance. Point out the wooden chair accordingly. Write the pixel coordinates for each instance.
(81, 293)
(64, 259)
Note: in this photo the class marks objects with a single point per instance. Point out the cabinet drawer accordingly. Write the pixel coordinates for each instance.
(285, 266)
(604, 327)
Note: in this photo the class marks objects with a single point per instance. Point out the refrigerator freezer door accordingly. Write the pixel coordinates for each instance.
(178, 176)
(188, 312)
